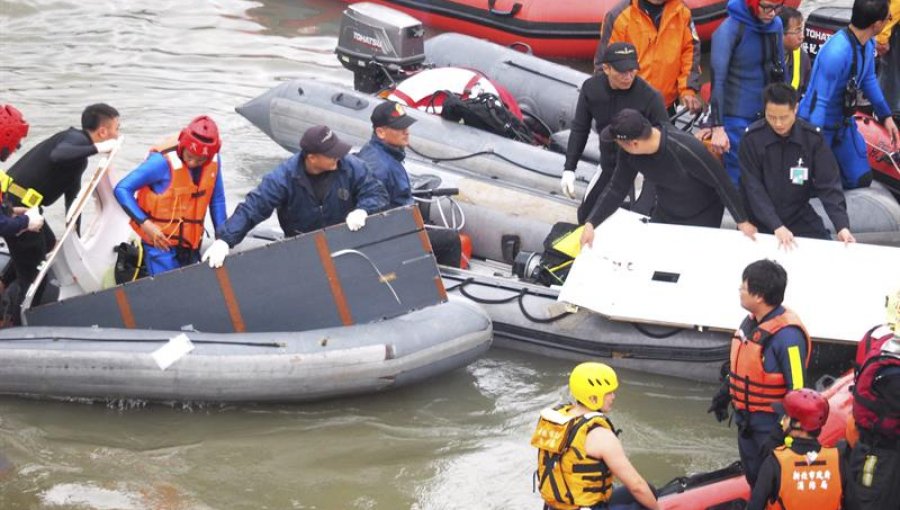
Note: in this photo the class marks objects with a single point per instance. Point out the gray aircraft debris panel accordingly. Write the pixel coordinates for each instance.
(326, 278)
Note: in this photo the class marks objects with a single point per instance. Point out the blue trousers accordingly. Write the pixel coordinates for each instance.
(754, 438)
(850, 151)
(621, 499)
(157, 261)
(734, 128)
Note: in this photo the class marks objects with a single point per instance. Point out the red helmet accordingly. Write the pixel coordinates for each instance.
(12, 129)
(807, 407)
(201, 137)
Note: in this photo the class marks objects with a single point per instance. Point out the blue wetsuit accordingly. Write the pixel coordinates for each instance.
(743, 51)
(757, 427)
(823, 104)
(154, 172)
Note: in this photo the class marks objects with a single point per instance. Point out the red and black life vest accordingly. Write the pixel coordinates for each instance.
(870, 412)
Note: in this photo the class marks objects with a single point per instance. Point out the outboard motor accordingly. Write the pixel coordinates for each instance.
(821, 24)
(380, 45)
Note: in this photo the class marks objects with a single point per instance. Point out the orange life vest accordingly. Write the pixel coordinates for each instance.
(808, 483)
(752, 388)
(179, 211)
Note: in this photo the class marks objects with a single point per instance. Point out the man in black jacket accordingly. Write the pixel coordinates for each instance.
(54, 168)
(602, 96)
(784, 163)
(692, 187)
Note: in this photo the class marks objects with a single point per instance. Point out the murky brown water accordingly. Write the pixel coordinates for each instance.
(459, 441)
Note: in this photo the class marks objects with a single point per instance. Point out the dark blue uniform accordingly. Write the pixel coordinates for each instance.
(289, 190)
(772, 198)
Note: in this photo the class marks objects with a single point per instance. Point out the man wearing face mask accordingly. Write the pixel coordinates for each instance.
(747, 54)
(602, 96)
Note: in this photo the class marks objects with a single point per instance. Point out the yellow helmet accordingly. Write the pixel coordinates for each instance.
(892, 307)
(592, 380)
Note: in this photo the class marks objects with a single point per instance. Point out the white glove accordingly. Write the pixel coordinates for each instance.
(35, 220)
(216, 253)
(357, 219)
(567, 183)
(107, 146)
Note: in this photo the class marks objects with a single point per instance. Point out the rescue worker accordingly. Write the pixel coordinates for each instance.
(769, 356)
(603, 95)
(844, 65)
(801, 473)
(14, 220)
(53, 168)
(887, 44)
(796, 60)
(167, 196)
(667, 44)
(875, 459)
(322, 185)
(747, 54)
(784, 163)
(691, 186)
(579, 451)
(384, 154)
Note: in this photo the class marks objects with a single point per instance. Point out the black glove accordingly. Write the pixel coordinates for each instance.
(720, 403)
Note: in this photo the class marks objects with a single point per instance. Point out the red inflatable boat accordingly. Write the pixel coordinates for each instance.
(727, 488)
(562, 29)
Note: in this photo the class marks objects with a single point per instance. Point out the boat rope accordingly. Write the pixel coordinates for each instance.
(682, 483)
(491, 152)
(54, 338)
(518, 296)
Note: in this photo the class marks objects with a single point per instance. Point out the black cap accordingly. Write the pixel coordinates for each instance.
(392, 115)
(622, 56)
(322, 140)
(626, 125)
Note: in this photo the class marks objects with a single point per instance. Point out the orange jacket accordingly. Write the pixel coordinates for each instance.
(180, 210)
(669, 57)
(806, 484)
(752, 388)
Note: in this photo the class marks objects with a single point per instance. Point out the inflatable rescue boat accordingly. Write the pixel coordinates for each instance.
(569, 29)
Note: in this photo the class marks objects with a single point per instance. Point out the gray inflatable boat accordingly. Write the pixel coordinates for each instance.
(114, 363)
(324, 314)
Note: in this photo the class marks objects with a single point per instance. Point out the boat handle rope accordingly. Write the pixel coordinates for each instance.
(143, 340)
(491, 152)
(519, 297)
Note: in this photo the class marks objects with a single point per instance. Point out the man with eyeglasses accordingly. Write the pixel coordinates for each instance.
(844, 65)
(796, 61)
(615, 88)
(784, 163)
(747, 54)
(668, 47)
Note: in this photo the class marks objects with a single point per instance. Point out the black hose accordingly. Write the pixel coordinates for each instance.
(520, 296)
(538, 320)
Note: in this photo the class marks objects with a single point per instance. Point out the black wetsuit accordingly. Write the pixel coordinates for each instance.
(772, 199)
(691, 185)
(53, 168)
(599, 102)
